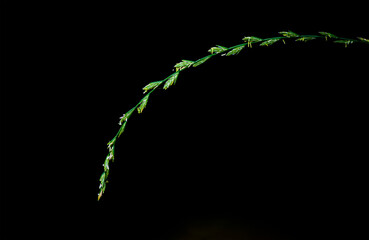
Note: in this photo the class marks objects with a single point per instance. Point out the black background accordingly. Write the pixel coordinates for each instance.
(272, 141)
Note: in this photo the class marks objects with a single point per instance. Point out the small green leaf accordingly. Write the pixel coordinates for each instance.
(269, 42)
(143, 104)
(172, 80)
(328, 35)
(151, 86)
(217, 49)
(289, 34)
(184, 64)
(201, 61)
(235, 51)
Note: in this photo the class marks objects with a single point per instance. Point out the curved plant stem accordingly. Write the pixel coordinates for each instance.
(184, 64)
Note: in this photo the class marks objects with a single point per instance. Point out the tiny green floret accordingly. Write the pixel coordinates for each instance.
(121, 129)
(363, 40)
(151, 86)
(289, 34)
(217, 49)
(126, 116)
(143, 103)
(235, 51)
(183, 64)
(305, 39)
(269, 42)
(201, 61)
(346, 42)
(328, 35)
(171, 81)
(251, 40)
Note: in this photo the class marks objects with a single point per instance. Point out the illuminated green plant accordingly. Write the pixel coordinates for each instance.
(184, 64)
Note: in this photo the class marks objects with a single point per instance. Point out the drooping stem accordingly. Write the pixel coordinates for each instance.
(184, 64)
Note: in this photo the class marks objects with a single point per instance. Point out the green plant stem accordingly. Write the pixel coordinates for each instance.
(188, 64)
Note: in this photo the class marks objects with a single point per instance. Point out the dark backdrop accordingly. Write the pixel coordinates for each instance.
(272, 141)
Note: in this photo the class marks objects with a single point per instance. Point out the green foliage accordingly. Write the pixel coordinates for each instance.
(184, 64)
